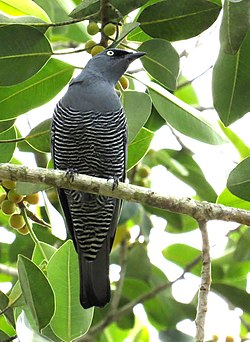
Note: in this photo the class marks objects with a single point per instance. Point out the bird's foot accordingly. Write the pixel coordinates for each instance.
(70, 174)
(115, 182)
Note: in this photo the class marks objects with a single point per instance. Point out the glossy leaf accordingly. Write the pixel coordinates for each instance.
(239, 180)
(139, 147)
(174, 20)
(22, 8)
(4, 20)
(35, 288)
(48, 250)
(239, 144)
(70, 320)
(39, 136)
(126, 29)
(7, 149)
(238, 297)
(36, 91)
(155, 121)
(136, 115)
(230, 200)
(185, 92)
(234, 25)
(183, 117)
(231, 83)
(5, 125)
(4, 302)
(23, 51)
(161, 61)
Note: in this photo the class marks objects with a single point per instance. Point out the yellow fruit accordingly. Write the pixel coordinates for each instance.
(229, 339)
(8, 207)
(89, 45)
(124, 82)
(97, 49)
(92, 28)
(109, 29)
(32, 199)
(24, 230)
(143, 171)
(16, 221)
(8, 184)
(13, 196)
(2, 197)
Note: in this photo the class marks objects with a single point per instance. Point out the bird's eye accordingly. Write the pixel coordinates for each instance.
(110, 53)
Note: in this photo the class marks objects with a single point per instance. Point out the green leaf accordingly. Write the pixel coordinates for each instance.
(3, 336)
(39, 136)
(4, 20)
(183, 166)
(234, 25)
(5, 125)
(241, 147)
(126, 29)
(36, 91)
(171, 335)
(231, 83)
(70, 320)
(23, 7)
(177, 20)
(4, 303)
(48, 250)
(37, 291)
(136, 115)
(138, 252)
(161, 61)
(155, 121)
(23, 51)
(238, 297)
(139, 147)
(230, 200)
(185, 92)
(7, 149)
(142, 336)
(242, 251)
(183, 117)
(239, 180)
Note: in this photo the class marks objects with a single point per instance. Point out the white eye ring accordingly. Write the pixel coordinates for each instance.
(110, 53)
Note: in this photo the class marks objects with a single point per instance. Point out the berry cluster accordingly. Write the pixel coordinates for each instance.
(10, 202)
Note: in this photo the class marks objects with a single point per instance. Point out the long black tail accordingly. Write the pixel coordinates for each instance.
(94, 278)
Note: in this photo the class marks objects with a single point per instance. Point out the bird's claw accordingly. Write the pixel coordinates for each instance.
(70, 174)
(115, 182)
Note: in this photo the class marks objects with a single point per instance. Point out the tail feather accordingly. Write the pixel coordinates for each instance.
(94, 278)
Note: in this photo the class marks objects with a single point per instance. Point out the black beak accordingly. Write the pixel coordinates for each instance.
(132, 56)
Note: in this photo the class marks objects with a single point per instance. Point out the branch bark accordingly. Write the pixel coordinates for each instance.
(199, 210)
(205, 284)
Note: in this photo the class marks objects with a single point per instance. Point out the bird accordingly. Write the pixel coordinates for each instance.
(89, 136)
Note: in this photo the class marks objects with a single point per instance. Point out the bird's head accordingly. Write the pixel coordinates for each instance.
(112, 63)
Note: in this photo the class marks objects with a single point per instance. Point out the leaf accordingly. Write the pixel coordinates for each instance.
(39, 136)
(36, 91)
(23, 7)
(171, 335)
(126, 29)
(242, 251)
(177, 20)
(138, 252)
(23, 51)
(230, 200)
(231, 83)
(70, 319)
(48, 250)
(5, 125)
(161, 61)
(234, 25)
(139, 147)
(4, 303)
(7, 149)
(241, 147)
(239, 180)
(182, 117)
(238, 297)
(35, 289)
(136, 115)
(185, 92)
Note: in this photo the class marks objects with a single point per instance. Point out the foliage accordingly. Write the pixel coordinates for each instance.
(44, 296)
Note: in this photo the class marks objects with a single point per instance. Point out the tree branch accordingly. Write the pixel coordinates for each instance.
(8, 270)
(205, 284)
(59, 179)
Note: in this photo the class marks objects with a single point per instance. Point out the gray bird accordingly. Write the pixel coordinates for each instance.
(89, 136)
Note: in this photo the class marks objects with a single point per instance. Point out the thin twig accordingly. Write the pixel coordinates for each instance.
(205, 284)
(104, 8)
(184, 84)
(59, 179)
